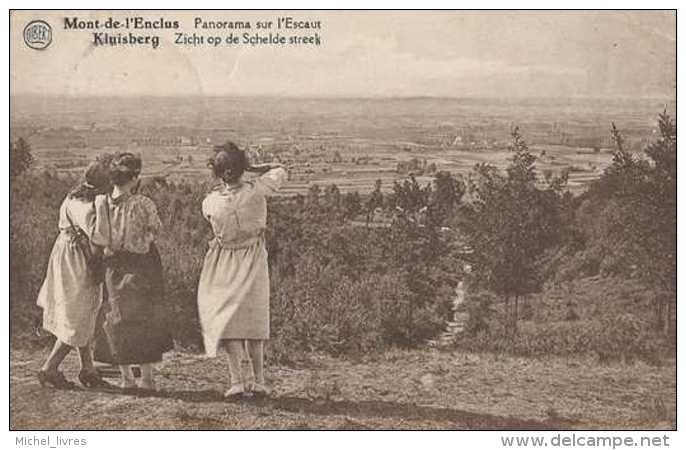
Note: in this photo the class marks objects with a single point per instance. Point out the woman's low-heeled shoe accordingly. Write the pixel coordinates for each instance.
(55, 379)
(92, 379)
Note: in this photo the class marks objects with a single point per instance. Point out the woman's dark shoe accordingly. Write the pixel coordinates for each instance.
(55, 379)
(91, 379)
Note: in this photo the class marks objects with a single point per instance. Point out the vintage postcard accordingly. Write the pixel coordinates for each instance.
(343, 220)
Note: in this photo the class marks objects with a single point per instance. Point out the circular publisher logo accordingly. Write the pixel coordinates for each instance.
(38, 34)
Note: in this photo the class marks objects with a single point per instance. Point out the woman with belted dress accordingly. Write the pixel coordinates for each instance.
(233, 292)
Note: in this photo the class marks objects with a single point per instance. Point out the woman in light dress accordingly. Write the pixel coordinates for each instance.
(127, 225)
(233, 292)
(70, 294)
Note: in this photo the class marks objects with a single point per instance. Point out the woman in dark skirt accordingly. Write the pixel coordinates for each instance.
(127, 225)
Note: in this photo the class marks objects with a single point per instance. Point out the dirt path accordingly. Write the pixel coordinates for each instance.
(395, 390)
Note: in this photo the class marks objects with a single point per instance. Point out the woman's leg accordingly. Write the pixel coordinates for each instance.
(256, 353)
(86, 359)
(127, 380)
(59, 351)
(234, 347)
(147, 377)
(49, 373)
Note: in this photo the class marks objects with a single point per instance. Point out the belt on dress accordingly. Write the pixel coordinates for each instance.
(217, 242)
(70, 234)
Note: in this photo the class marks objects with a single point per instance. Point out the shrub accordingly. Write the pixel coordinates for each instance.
(617, 337)
(34, 204)
(335, 287)
(480, 310)
(603, 325)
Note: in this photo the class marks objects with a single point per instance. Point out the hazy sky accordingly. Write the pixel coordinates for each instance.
(481, 54)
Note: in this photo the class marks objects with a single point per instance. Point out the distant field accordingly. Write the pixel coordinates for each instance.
(583, 164)
(322, 138)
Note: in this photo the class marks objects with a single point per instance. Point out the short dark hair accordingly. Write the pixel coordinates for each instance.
(229, 162)
(96, 181)
(124, 167)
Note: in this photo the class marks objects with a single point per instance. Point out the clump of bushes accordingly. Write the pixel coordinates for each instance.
(336, 287)
(34, 206)
(611, 321)
(341, 288)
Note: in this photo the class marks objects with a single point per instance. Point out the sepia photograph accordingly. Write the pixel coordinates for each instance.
(343, 220)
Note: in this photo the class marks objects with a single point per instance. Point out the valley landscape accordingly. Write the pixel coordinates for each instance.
(353, 305)
(347, 142)
(477, 230)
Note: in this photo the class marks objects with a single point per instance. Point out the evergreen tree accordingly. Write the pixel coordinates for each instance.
(511, 222)
(375, 201)
(638, 198)
(20, 157)
(447, 194)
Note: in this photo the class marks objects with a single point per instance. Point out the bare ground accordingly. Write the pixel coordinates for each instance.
(418, 389)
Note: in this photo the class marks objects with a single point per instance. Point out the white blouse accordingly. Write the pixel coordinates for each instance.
(238, 216)
(81, 213)
(132, 223)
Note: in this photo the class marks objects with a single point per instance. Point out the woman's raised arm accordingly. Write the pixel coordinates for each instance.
(272, 176)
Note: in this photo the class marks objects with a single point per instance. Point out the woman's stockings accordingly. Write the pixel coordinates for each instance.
(127, 380)
(147, 380)
(59, 351)
(86, 359)
(234, 347)
(256, 353)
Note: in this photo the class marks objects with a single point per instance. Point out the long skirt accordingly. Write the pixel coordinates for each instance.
(233, 294)
(134, 330)
(69, 296)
